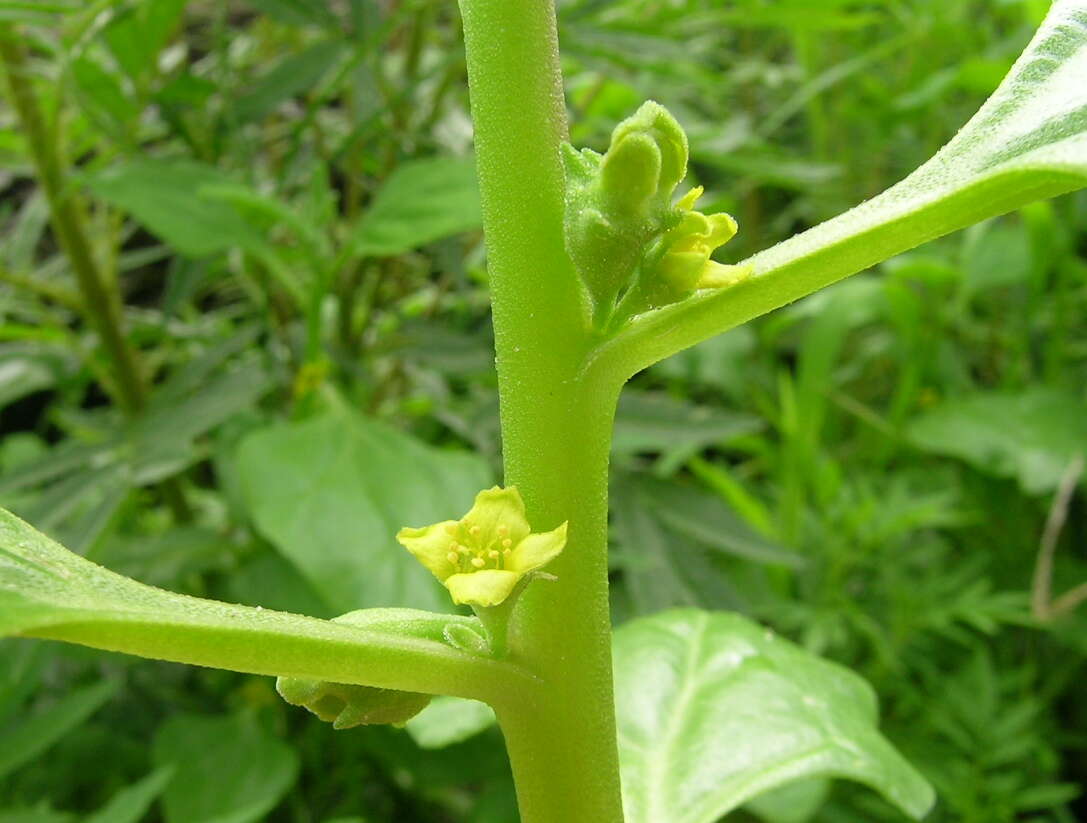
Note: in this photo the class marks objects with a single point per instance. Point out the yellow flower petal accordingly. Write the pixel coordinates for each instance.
(722, 229)
(487, 587)
(687, 201)
(681, 269)
(431, 545)
(537, 550)
(718, 275)
(497, 507)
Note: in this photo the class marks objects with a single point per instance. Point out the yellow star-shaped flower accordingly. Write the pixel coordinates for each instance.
(482, 557)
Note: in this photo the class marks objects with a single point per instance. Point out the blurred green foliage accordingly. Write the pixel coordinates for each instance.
(282, 191)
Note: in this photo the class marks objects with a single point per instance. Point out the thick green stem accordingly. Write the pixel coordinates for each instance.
(556, 429)
(102, 304)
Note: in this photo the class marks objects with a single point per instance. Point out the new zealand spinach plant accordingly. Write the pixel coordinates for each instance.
(600, 266)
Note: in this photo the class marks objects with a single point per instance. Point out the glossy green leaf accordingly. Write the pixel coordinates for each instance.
(422, 201)
(1031, 436)
(164, 195)
(713, 709)
(34, 734)
(1028, 142)
(46, 591)
(227, 769)
(332, 492)
(131, 803)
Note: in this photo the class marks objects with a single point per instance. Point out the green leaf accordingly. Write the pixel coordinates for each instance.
(332, 492)
(449, 720)
(227, 769)
(75, 485)
(36, 11)
(1028, 142)
(713, 709)
(28, 368)
(297, 12)
(131, 803)
(100, 93)
(140, 31)
(422, 201)
(709, 521)
(1031, 436)
(164, 195)
(648, 421)
(41, 814)
(46, 591)
(294, 75)
(792, 803)
(29, 738)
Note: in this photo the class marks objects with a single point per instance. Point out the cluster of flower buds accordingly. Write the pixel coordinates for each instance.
(633, 248)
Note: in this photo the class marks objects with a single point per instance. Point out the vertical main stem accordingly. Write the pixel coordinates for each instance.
(556, 431)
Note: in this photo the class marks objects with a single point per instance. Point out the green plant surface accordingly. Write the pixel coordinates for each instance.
(1026, 143)
(224, 769)
(279, 198)
(385, 479)
(713, 709)
(50, 592)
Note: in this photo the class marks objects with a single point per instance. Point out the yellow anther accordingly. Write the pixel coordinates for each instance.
(507, 552)
(503, 530)
(474, 531)
(493, 554)
(463, 549)
(478, 562)
(452, 557)
(507, 543)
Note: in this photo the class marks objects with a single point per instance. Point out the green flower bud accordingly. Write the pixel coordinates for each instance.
(633, 249)
(630, 174)
(655, 122)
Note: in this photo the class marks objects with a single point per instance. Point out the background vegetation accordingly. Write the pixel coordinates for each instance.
(281, 194)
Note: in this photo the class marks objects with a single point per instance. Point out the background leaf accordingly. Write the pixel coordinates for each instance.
(1031, 436)
(131, 803)
(332, 492)
(227, 769)
(23, 741)
(449, 720)
(164, 195)
(713, 709)
(422, 201)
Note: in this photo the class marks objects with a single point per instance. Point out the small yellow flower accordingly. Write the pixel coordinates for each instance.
(481, 557)
(687, 266)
